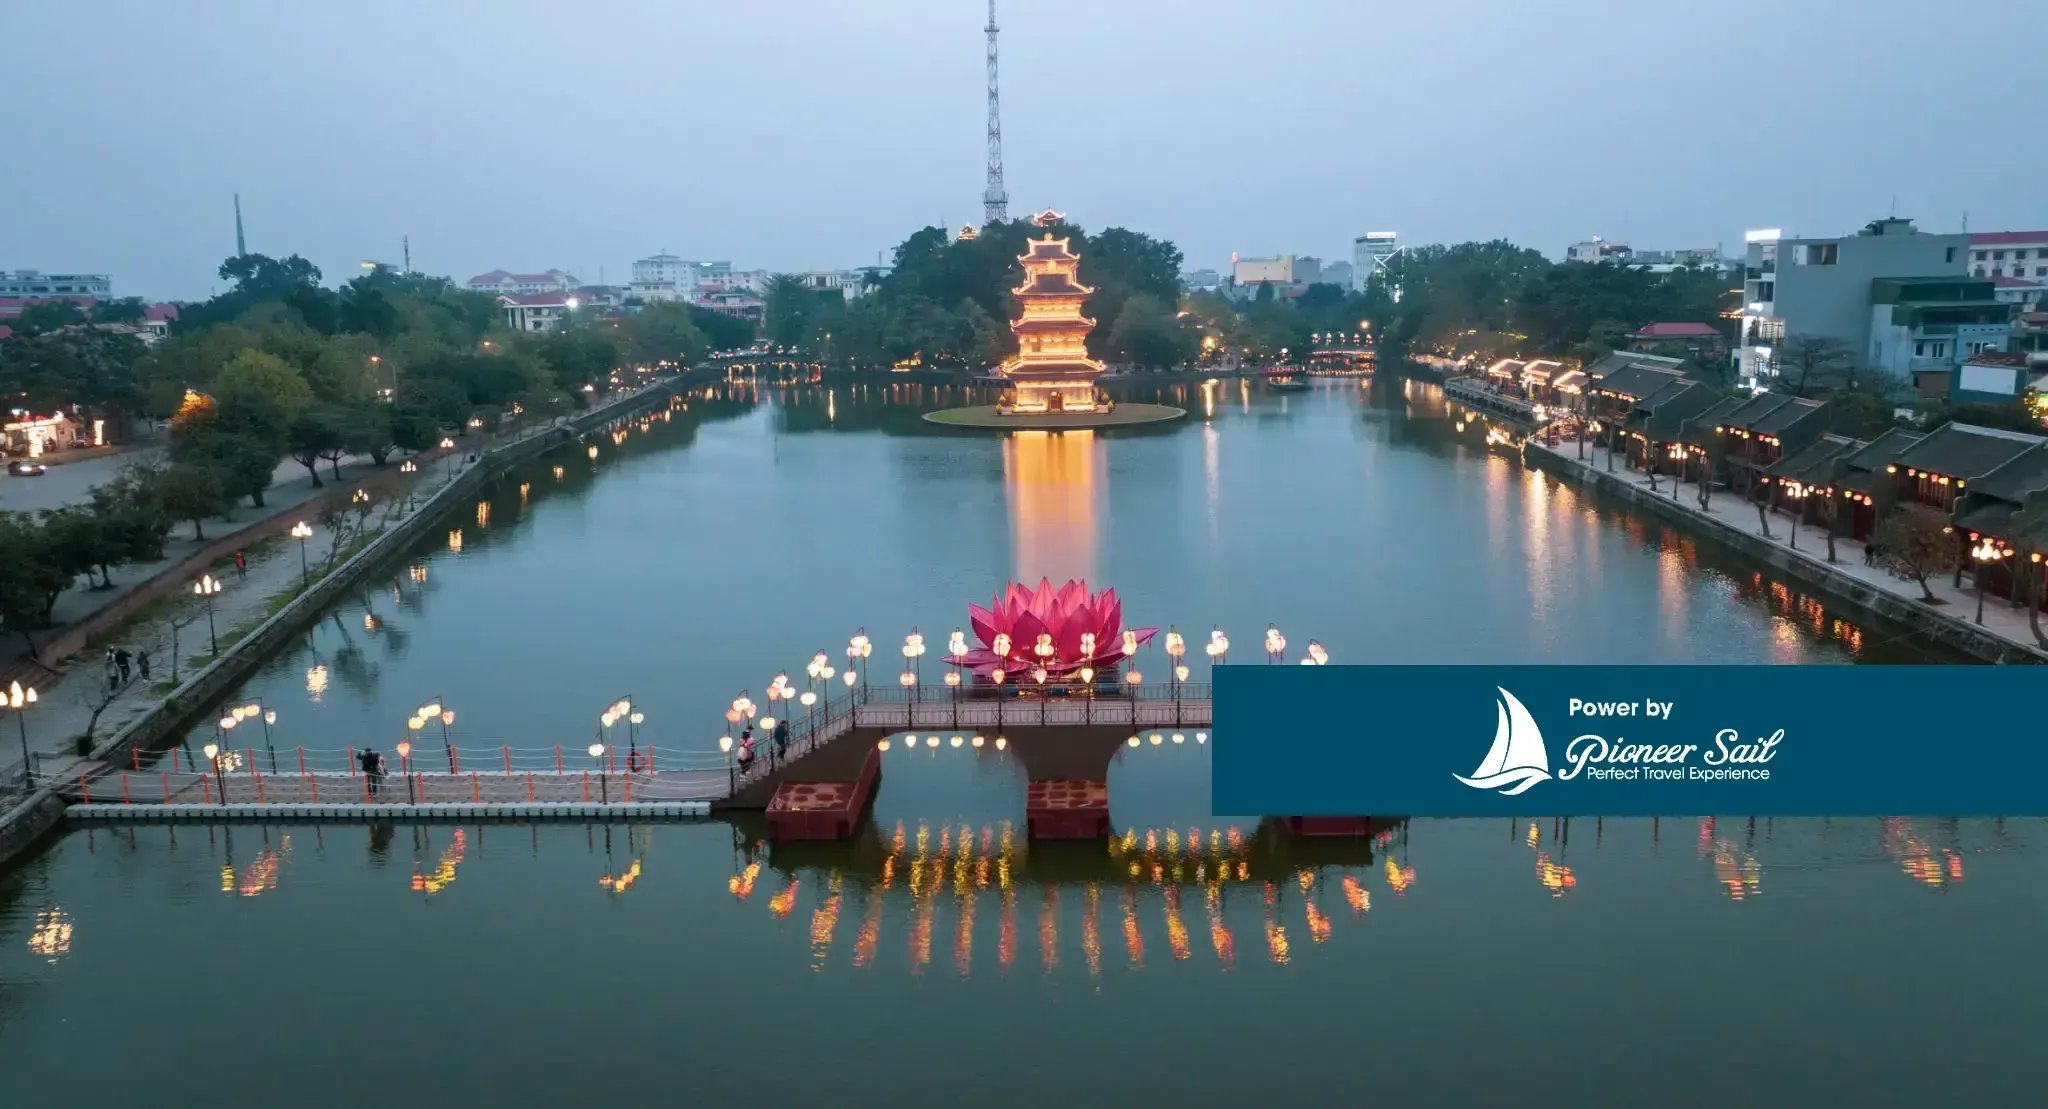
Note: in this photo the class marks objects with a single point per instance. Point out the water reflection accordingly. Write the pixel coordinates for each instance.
(1055, 497)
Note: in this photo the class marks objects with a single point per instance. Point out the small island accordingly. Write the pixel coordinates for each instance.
(1051, 378)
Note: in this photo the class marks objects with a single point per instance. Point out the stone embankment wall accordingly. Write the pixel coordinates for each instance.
(1953, 632)
(77, 637)
(43, 810)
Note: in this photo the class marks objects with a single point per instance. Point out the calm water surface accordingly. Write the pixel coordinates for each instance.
(939, 960)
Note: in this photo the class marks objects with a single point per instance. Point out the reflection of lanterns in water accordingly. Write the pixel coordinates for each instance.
(1400, 878)
(1557, 879)
(1356, 894)
(781, 903)
(444, 870)
(51, 935)
(316, 681)
(455, 540)
(742, 884)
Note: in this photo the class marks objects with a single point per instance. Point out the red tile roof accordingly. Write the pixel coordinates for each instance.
(2004, 282)
(160, 312)
(1677, 331)
(2007, 238)
(5, 331)
(1996, 358)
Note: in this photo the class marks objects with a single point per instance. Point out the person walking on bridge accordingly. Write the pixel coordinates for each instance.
(781, 740)
(373, 768)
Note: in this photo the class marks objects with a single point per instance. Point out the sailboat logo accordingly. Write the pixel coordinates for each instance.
(1517, 759)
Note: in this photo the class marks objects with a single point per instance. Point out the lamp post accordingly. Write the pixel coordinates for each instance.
(206, 587)
(1038, 675)
(913, 649)
(857, 651)
(1276, 645)
(732, 781)
(449, 446)
(1316, 655)
(1175, 648)
(1087, 675)
(604, 789)
(809, 700)
(18, 701)
(429, 712)
(405, 769)
(408, 467)
(1986, 551)
(257, 710)
(220, 785)
(1218, 647)
(303, 531)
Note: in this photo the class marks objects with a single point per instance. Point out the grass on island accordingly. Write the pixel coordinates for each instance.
(1123, 415)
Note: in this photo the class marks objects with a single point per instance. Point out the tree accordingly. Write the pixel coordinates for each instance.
(413, 428)
(189, 491)
(260, 375)
(81, 366)
(1915, 543)
(366, 429)
(2030, 543)
(665, 331)
(1814, 363)
(34, 578)
(1147, 334)
(44, 316)
(128, 310)
(79, 541)
(311, 436)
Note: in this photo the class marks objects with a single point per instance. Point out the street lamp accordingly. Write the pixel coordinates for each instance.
(1316, 654)
(206, 587)
(913, 649)
(731, 777)
(603, 786)
(405, 768)
(1175, 648)
(429, 712)
(303, 531)
(257, 710)
(212, 753)
(857, 651)
(18, 700)
(1276, 645)
(1217, 647)
(1986, 551)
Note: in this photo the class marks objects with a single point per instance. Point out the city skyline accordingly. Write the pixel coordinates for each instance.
(496, 141)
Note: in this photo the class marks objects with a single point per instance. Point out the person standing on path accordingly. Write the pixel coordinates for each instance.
(370, 760)
(142, 664)
(113, 672)
(241, 565)
(121, 659)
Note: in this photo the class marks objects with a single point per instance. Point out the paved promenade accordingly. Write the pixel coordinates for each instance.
(2001, 617)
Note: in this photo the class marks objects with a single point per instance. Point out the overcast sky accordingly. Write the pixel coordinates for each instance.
(792, 134)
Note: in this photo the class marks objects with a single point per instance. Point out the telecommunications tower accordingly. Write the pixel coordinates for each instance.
(995, 200)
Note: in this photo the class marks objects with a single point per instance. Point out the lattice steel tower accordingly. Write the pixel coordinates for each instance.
(995, 200)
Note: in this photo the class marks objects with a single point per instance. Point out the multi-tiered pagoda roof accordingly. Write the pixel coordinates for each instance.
(1052, 370)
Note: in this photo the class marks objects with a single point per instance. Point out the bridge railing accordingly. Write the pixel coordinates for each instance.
(935, 706)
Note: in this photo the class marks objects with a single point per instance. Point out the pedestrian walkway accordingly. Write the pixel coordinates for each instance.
(177, 639)
(2000, 616)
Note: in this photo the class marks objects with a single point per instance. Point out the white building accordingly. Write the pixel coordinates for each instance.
(33, 283)
(847, 283)
(505, 283)
(2021, 254)
(1263, 271)
(1370, 254)
(532, 312)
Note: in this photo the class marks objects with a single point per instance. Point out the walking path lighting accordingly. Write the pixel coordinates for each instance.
(220, 785)
(207, 587)
(857, 651)
(1218, 647)
(19, 700)
(303, 531)
(913, 649)
(405, 769)
(1276, 645)
(603, 786)
(1984, 552)
(1316, 655)
(1175, 648)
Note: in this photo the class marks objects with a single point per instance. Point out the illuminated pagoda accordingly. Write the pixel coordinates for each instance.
(1051, 371)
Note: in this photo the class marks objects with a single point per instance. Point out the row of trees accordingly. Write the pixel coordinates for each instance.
(280, 368)
(946, 302)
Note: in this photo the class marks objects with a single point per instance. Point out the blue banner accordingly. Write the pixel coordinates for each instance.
(1630, 740)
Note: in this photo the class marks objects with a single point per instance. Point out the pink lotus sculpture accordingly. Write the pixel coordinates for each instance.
(1079, 628)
